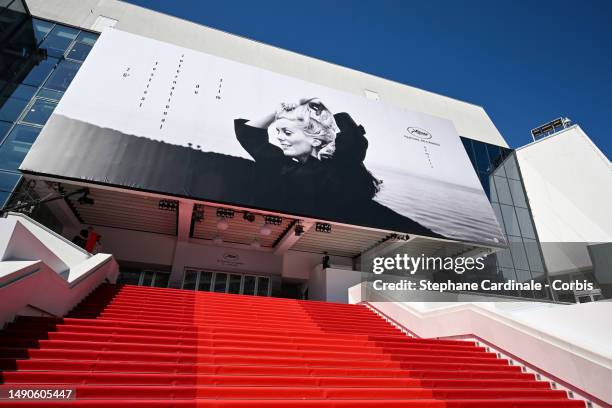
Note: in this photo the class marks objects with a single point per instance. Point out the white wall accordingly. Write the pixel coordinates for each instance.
(331, 284)
(470, 120)
(298, 265)
(569, 186)
(211, 257)
(137, 246)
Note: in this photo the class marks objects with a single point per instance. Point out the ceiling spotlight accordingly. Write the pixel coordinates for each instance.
(85, 199)
(168, 205)
(248, 216)
(225, 213)
(299, 230)
(273, 220)
(222, 225)
(198, 212)
(255, 244)
(217, 240)
(323, 227)
(265, 230)
(401, 237)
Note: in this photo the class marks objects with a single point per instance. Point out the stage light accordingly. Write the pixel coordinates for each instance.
(273, 220)
(323, 227)
(84, 199)
(248, 216)
(198, 212)
(299, 230)
(401, 237)
(225, 213)
(265, 230)
(168, 205)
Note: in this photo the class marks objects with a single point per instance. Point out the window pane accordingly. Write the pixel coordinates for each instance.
(39, 112)
(129, 277)
(524, 276)
(4, 196)
(17, 145)
(161, 279)
(79, 51)
(516, 188)
(509, 274)
(220, 282)
(468, 148)
(11, 108)
(20, 92)
(498, 215)
(503, 190)
(484, 180)
(525, 223)
(511, 168)
(495, 156)
(190, 279)
(62, 76)
(4, 128)
(205, 281)
(492, 191)
(8, 181)
(87, 38)
(12, 105)
(262, 286)
(510, 220)
(249, 285)
(58, 40)
(40, 72)
(41, 29)
(533, 256)
(49, 94)
(147, 278)
(504, 259)
(482, 157)
(234, 284)
(518, 253)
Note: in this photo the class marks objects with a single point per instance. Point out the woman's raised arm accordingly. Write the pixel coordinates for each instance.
(262, 122)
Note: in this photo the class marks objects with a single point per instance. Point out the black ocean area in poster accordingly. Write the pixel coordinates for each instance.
(152, 116)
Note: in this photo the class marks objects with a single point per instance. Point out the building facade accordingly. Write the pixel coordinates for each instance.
(161, 239)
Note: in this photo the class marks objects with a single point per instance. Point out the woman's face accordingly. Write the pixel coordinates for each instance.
(294, 142)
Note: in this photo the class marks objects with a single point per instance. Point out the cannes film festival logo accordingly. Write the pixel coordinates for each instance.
(419, 133)
(228, 256)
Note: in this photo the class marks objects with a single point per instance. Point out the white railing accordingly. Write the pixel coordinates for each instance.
(44, 272)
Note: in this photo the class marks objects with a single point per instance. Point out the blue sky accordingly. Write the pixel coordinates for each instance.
(525, 62)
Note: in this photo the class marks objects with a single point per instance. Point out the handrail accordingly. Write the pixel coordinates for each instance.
(86, 274)
(470, 336)
(18, 278)
(46, 229)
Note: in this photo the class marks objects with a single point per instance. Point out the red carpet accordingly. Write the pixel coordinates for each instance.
(128, 346)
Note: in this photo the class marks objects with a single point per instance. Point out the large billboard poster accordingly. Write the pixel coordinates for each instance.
(152, 116)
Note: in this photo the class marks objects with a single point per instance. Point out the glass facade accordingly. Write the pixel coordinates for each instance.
(32, 82)
(500, 176)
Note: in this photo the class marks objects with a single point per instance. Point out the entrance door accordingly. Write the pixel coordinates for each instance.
(224, 282)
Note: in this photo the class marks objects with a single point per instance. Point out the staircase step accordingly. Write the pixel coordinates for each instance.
(122, 366)
(409, 346)
(99, 378)
(300, 403)
(153, 347)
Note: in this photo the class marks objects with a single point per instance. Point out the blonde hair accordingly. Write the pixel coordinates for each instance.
(315, 120)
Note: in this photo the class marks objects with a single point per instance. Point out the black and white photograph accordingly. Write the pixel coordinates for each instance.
(167, 119)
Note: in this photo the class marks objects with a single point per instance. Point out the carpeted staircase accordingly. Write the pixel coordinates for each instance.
(129, 346)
